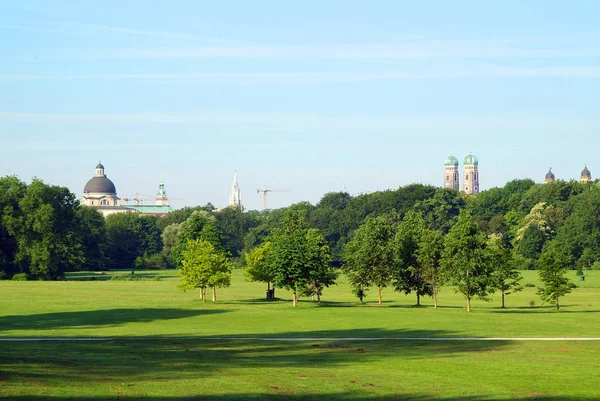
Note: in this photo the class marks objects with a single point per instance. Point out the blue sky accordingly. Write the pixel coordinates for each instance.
(315, 96)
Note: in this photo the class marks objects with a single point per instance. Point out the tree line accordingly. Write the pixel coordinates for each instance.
(44, 232)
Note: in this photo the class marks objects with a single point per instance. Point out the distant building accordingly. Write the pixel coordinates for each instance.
(235, 198)
(451, 175)
(471, 175)
(100, 192)
(586, 176)
(550, 177)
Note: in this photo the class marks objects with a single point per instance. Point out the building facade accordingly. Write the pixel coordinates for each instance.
(100, 192)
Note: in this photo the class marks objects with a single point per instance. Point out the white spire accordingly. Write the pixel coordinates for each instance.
(235, 198)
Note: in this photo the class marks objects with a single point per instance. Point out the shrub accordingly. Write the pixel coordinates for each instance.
(20, 277)
(3, 275)
(530, 285)
(152, 262)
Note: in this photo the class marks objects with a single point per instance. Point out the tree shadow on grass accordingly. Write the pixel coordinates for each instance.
(279, 394)
(541, 309)
(129, 360)
(94, 318)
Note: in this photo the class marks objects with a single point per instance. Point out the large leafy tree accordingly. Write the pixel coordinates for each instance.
(368, 257)
(506, 276)
(299, 257)
(46, 231)
(466, 260)
(321, 273)
(204, 266)
(12, 190)
(429, 254)
(408, 272)
(552, 268)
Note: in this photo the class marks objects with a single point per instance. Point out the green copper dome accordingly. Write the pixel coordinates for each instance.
(470, 160)
(451, 161)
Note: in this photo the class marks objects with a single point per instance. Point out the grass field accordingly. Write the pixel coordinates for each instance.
(181, 361)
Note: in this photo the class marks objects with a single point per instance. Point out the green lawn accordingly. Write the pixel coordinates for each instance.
(90, 304)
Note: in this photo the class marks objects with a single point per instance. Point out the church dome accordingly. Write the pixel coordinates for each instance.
(100, 166)
(550, 175)
(451, 161)
(100, 185)
(586, 173)
(470, 160)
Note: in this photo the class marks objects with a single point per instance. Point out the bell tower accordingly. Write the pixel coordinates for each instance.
(451, 175)
(471, 175)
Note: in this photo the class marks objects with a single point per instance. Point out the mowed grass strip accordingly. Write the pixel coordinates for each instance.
(322, 370)
(105, 308)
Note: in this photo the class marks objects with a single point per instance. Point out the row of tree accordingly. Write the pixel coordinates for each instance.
(404, 252)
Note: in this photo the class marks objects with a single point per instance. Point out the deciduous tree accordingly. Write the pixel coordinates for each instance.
(552, 268)
(466, 261)
(203, 266)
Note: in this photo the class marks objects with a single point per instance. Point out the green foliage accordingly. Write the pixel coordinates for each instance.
(20, 277)
(429, 254)
(204, 266)
(154, 261)
(441, 211)
(368, 256)
(230, 222)
(299, 258)
(467, 262)
(408, 273)
(129, 236)
(257, 264)
(553, 266)
(45, 228)
(506, 276)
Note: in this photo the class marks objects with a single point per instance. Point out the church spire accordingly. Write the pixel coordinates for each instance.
(235, 199)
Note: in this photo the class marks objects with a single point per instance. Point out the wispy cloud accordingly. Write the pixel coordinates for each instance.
(304, 78)
(422, 50)
(77, 28)
(327, 122)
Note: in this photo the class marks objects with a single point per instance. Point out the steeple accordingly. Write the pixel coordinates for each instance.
(235, 199)
(161, 196)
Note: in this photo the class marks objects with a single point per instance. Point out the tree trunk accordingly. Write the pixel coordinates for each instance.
(434, 296)
(503, 298)
(319, 297)
(214, 294)
(361, 294)
(379, 294)
(557, 305)
(295, 301)
(269, 285)
(468, 303)
(204, 294)
(418, 299)
(201, 297)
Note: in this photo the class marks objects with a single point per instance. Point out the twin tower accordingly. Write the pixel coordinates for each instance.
(471, 174)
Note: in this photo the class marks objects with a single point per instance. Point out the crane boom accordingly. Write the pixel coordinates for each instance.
(265, 190)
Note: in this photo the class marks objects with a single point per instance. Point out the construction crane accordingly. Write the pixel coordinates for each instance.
(138, 201)
(265, 190)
